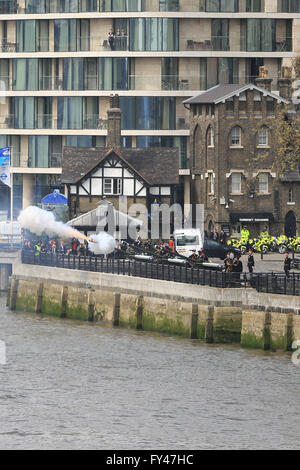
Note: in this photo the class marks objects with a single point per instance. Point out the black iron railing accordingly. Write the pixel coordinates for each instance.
(269, 283)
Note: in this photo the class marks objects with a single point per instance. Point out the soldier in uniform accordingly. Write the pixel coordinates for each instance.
(250, 261)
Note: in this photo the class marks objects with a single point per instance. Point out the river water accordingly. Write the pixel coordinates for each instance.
(70, 385)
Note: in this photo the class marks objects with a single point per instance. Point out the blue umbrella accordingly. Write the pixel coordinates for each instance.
(55, 199)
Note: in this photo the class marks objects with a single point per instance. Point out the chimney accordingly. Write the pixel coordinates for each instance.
(114, 115)
(263, 81)
(285, 83)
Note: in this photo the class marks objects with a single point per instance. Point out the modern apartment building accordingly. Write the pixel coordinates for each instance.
(59, 68)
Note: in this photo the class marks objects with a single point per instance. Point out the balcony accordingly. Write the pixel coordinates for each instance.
(49, 121)
(22, 160)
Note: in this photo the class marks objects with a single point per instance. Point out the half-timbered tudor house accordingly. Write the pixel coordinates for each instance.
(143, 175)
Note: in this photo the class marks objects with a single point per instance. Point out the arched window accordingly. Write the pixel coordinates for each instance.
(263, 136)
(210, 137)
(236, 136)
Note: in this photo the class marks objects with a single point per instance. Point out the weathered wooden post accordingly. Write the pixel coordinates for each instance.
(194, 321)
(116, 311)
(64, 301)
(14, 294)
(91, 307)
(139, 312)
(39, 298)
(209, 327)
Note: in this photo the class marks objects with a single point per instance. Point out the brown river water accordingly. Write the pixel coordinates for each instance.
(71, 385)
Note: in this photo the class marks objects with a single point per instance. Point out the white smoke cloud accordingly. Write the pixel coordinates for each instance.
(102, 244)
(39, 221)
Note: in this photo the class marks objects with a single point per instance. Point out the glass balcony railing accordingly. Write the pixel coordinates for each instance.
(197, 42)
(78, 6)
(22, 160)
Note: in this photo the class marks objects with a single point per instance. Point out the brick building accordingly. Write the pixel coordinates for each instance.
(231, 126)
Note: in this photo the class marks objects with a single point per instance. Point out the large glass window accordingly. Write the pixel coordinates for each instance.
(113, 73)
(78, 113)
(218, 70)
(60, 6)
(32, 35)
(169, 73)
(71, 35)
(220, 34)
(22, 110)
(121, 5)
(258, 35)
(148, 112)
(153, 34)
(289, 6)
(219, 5)
(32, 74)
(38, 151)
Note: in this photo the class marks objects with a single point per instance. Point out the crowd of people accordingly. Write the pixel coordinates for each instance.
(117, 41)
(53, 246)
(216, 236)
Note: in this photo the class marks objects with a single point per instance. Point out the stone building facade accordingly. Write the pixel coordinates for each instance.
(232, 151)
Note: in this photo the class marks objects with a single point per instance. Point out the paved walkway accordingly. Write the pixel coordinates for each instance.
(272, 262)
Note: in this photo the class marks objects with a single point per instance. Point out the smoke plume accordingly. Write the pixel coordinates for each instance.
(39, 221)
(102, 244)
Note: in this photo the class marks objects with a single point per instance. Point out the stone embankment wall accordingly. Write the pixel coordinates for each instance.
(213, 315)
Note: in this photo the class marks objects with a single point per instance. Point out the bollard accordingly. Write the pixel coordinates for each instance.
(194, 321)
(39, 298)
(139, 312)
(64, 302)
(116, 311)
(14, 294)
(209, 327)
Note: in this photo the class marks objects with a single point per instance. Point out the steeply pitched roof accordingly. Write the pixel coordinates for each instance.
(156, 165)
(220, 93)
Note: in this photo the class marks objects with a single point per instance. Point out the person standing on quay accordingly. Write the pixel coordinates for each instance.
(251, 262)
(287, 264)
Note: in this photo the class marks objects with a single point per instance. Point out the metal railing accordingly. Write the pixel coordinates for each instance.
(125, 267)
(262, 282)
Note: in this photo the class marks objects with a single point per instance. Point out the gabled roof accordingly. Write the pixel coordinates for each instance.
(221, 93)
(155, 165)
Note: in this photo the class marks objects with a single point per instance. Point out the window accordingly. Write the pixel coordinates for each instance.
(270, 107)
(112, 186)
(291, 196)
(263, 136)
(210, 137)
(263, 183)
(236, 180)
(236, 136)
(229, 106)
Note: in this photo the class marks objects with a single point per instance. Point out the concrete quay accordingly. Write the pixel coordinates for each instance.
(264, 321)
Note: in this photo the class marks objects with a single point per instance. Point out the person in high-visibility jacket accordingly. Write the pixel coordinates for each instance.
(245, 233)
(37, 249)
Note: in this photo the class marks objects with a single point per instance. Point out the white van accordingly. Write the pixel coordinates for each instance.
(187, 240)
